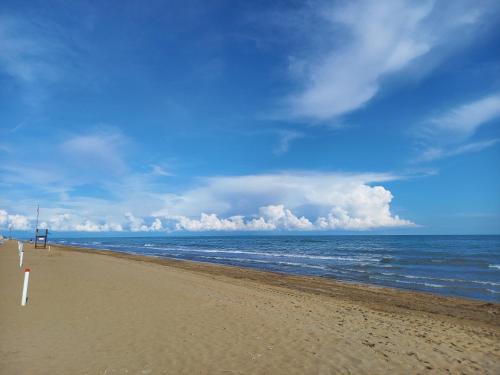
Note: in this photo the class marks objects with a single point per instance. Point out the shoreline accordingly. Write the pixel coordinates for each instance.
(445, 267)
(376, 297)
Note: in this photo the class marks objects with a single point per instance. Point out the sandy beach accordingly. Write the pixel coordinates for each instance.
(97, 312)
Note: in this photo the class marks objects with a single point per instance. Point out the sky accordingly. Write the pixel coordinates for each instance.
(194, 116)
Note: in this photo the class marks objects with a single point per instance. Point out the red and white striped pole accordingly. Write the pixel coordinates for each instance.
(24, 297)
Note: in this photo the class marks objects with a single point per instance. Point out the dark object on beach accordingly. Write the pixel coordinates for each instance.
(41, 238)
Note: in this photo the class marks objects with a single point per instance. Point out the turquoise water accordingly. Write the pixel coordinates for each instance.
(465, 266)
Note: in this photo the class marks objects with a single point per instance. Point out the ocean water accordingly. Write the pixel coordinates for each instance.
(465, 266)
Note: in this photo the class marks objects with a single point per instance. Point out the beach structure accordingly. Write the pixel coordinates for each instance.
(24, 296)
(41, 238)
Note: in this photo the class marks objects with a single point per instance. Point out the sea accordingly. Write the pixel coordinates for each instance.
(462, 266)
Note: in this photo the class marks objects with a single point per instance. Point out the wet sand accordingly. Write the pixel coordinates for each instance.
(98, 312)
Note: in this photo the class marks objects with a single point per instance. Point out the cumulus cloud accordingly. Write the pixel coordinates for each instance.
(373, 41)
(19, 222)
(65, 222)
(156, 225)
(210, 222)
(449, 133)
(89, 226)
(58, 222)
(3, 217)
(298, 201)
(279, 217)
(292, 201)
(132, 223)
(273, 218)
(137, 224)
(14, 221)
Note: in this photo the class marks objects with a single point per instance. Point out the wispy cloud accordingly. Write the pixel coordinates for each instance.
(448, 134)
(17, 127)
(160, 170)
(367, 42)
(83, 182)
(434, 153)
(285, 140)
(34, 54)
(463, 121)
(100, 150)
(25, 53)
(96, 156)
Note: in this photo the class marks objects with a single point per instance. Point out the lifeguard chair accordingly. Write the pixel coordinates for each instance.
(41, 238)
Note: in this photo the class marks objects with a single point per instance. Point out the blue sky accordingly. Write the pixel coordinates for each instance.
(287, 116)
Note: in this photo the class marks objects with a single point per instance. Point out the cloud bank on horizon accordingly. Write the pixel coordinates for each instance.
(336, 201)
(256, 117)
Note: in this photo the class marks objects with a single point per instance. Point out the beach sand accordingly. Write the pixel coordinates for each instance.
(107, 313)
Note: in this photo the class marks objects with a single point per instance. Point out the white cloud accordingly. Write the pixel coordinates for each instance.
(58, 222)
(89, 226)
(19, 222)
(100, 150)
(434, 153)
(283, 201)
(286, 139)
(156, 226)
(210, 222)
(463, 121)
(36, 55)
(325, 201)
(369, 41)
(3, 217)
(15, 221)
(158, 170)
(273, 218)
(67, 222)
(25, 53)
(284, 218)
(448, 134)
(137, 224)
